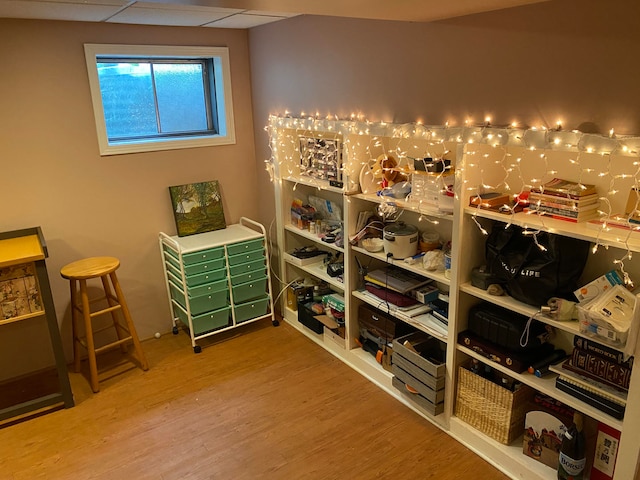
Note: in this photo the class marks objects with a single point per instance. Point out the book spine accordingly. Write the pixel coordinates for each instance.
(600, 367)
(551, 215)
(596, 401)
(604, 351)
(562, 202)
(600, 222)
(555, 211)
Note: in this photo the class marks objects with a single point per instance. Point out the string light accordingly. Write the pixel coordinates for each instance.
(364, 140)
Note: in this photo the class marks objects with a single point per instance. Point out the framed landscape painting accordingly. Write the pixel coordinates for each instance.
(197, 207)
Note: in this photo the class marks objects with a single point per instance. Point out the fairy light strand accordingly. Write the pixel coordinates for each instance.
(364, 140)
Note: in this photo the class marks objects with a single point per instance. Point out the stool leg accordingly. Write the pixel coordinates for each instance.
(127, 316)
(91, 351)
(120, 331)
(75, 325)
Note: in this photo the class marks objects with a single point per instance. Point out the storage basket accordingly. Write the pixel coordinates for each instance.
(491, 408)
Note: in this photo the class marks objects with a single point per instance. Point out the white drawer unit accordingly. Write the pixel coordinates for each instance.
(218, 280)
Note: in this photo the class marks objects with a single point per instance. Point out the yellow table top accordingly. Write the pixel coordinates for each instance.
(14, 251)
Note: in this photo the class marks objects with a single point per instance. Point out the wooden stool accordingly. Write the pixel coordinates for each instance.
(103, 268)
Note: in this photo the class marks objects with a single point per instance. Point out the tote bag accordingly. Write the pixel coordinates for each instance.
(531, 274)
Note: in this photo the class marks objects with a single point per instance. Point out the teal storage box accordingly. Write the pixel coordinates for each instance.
(208, 277)
(248, 277)
(203, 256)
(250, 290)
(195, 268)
(246, 257)
(206, 322)
(247, 267)
(256, 308)
(243, 247)
(212, 287)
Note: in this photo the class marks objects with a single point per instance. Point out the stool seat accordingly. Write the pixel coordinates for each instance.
(92, 267)
(78, 273)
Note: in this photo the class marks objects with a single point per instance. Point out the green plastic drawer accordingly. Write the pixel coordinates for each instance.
(250, 290)
(207, 303)
(247, 277)
(255, 308)
(213, 287)
(177, 294)
(171, 258)
(195, 268)
(202, 278)
(247, 267)
(203, 255)
(248, 246)
(203, 303)
(174, 269)
(206, 322)
(246, 257)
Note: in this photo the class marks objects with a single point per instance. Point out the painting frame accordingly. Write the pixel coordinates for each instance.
(197, 207)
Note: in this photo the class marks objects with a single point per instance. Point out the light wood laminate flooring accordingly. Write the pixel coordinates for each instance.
(258, 403)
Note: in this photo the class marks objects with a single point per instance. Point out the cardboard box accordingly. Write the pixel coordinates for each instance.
(543, 437)
(599, 285)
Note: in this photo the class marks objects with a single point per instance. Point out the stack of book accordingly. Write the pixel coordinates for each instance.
(395, 278)
(564, 200)
(597, 375)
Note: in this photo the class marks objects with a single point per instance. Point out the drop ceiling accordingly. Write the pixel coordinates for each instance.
(243, 13)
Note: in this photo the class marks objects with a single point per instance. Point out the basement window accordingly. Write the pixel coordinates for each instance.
(148, 98)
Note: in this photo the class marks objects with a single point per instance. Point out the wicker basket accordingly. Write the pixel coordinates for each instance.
(492, 409)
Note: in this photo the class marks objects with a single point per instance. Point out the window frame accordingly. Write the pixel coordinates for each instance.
(222, 97)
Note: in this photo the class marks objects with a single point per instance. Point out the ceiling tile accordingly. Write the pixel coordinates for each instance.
(271, 14)
(242, 20)
(95, 11)
(167, 14)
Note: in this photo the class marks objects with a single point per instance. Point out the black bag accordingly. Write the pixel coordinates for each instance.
(529, 273)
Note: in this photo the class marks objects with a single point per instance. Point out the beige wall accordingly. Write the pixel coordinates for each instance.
(573, 60)
(53, 176)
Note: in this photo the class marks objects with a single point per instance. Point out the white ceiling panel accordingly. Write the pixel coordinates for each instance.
(85, 12)
(167, 14)
(242, 20)
(214, 13)
(270, 13)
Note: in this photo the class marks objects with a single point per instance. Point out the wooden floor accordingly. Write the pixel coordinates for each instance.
(265, 403)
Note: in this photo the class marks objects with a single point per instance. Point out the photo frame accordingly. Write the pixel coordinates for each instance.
(321, 158)
(197, 207)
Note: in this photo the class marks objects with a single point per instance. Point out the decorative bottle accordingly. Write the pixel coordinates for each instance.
(573, 451)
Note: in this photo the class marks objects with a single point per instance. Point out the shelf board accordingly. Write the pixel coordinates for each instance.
(406, 205)
(570, 326)
(318, 270)
(411, 321)
(19, 250)
(617, 238)
(20, 318)
(547, 385)
(313, 182)
(437, 276)
(509, 303)
(313, 237)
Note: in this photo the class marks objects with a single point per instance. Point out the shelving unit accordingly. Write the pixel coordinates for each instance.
(482, 157)
(217, 280)
(26, 296)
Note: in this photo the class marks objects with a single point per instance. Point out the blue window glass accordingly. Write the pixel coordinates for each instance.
(155, 99)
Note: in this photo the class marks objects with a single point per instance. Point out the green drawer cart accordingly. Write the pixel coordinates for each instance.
(217, 280)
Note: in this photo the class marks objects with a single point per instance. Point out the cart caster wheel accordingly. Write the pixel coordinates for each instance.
(197, 349)
(275, 323)
(175, 330)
